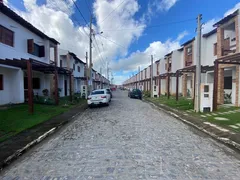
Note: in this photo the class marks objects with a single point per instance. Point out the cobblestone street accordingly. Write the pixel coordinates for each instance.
(130, 139)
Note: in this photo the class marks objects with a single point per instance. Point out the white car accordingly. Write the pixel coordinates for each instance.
(99, 97)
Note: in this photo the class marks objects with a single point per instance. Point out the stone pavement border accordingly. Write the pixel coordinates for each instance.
(15, 146)
(229, 138)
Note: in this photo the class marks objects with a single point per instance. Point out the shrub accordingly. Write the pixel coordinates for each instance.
(45, 92)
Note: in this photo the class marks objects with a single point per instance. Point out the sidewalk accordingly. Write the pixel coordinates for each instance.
(17, 145)
(221, 134)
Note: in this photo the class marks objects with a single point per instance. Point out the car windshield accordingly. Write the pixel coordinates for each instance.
(97, 92)
(135, 90)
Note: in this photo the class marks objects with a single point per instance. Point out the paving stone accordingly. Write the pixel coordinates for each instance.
(238, 124)
(234, 127)
(221, 119)
(203, 116)
(128, 140)
(214, 114)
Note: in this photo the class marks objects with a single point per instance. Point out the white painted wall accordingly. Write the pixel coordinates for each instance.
(239, 31)
(12, 85)
(162, 66)
(207, 53)
(148, 71)
(62, 54)
(21, 35)
(44, 82)
(177, 60)
(163, 86)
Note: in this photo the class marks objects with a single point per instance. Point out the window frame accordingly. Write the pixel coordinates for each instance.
(3, 40)
(1, 82)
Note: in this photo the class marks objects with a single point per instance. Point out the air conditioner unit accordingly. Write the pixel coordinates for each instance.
(84, 91)
(155, 91)
(206, 101)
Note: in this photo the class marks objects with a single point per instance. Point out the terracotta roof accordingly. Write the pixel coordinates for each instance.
(14, 16)
(227, 18)
(210, 33)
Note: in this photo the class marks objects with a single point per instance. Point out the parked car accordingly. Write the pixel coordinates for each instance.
(110, 92)
(99, 97)
(135, 93)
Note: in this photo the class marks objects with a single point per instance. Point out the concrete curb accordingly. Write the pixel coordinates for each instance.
(170, 111)
(19, 152)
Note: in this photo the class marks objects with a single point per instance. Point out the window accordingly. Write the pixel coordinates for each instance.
(189, 50)
(35, 49)
(228, 82)
(73, 66)
(78, 68)
(215, 49)
(166, 66)
(1, 82)
(35, 83)
(60, 63)
(97, 92)
(6, 36)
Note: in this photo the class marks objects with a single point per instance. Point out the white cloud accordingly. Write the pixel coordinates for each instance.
(165, 5)
(208, 26)
(230, 11)
(142, 58)
(53, 18)
(5, 2)
(157, 6)
(65, 6)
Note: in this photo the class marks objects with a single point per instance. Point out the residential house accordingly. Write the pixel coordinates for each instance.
(22, 47)
(71, 62)
(227, 62)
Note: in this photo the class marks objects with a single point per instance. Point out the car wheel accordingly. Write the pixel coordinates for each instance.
(90, 106)
(107, 104)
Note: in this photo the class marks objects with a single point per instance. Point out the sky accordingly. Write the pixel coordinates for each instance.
(126, 32)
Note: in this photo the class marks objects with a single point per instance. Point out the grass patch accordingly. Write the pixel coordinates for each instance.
(16, 118)
(234, 118)
(181, 104)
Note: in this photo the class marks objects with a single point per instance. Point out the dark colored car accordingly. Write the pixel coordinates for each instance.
(110, 92)
(135, 93)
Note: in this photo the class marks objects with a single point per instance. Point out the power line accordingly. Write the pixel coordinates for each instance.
(79, 11)
(112, 41)
(99, 50)
(88, 6)
(148, 27)
(112, 11)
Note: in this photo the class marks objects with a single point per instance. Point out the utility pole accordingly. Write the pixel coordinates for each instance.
(87, 67)
(151, 87)
(198, 65)
(108, 73)
(139, 77)
(90, 56)
(101, 78)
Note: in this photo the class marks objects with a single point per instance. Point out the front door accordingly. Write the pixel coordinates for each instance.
(65, 87)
